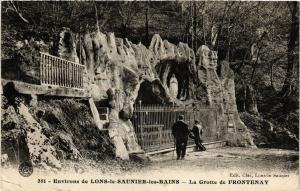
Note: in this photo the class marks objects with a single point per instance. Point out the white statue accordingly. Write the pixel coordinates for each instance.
(203, 54)
(173, 86)
(255, 53)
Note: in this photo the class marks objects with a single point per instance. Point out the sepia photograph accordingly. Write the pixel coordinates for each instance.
(149, 95)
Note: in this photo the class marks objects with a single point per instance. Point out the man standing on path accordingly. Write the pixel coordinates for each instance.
(180, 132)
(197, 131)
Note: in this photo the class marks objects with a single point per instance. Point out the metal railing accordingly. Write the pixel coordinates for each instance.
(153, 124)
(60, 72)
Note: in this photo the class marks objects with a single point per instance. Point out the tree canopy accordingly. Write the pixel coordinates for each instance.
(260, 39)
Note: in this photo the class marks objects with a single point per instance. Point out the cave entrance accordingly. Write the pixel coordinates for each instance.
(153, 93)
(177, 76)
(153, 123)
(175, 82)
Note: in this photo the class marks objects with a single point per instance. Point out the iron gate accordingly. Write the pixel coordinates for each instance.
(153, 123)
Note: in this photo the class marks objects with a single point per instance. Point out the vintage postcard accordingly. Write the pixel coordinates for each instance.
(149, 95)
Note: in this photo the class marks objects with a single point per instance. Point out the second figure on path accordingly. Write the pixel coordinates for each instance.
(197, 132)
(180, 132)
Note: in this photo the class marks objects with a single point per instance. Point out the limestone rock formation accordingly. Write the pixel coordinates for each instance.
(120, 74)
(241, 134)
(40, 149)
(125, 73)
(31, 143)
(50, 132)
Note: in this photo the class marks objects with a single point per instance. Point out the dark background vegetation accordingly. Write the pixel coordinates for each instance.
(272, 26)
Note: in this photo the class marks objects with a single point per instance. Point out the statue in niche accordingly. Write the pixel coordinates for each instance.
(203, 53)
(173, 86)
(255, 53)
(213, 56)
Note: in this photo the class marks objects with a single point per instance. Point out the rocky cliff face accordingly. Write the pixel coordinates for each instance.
(124, 73)
(50, 132)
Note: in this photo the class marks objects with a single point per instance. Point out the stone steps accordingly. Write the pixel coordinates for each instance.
(100, 114)
(208, 145)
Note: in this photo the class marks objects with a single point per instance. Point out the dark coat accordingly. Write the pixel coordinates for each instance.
(197, 132)
(180, 131)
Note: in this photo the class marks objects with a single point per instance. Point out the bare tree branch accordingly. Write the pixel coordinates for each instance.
(17, 11)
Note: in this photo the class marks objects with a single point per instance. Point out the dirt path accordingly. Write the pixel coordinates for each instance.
(230, 158)
(200, 171)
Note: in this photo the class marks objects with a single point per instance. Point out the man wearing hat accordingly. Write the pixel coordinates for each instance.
(180, 131)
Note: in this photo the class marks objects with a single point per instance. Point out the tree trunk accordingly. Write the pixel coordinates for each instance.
(250, 102)
(124, 31)
(220, 27)
(228, 49)
(287, 86)
(203, 29)
(195, 26)
(192, 23)
(271, 73)
(96, 17)
(187, 28)
(255, 65)
(147, 22)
